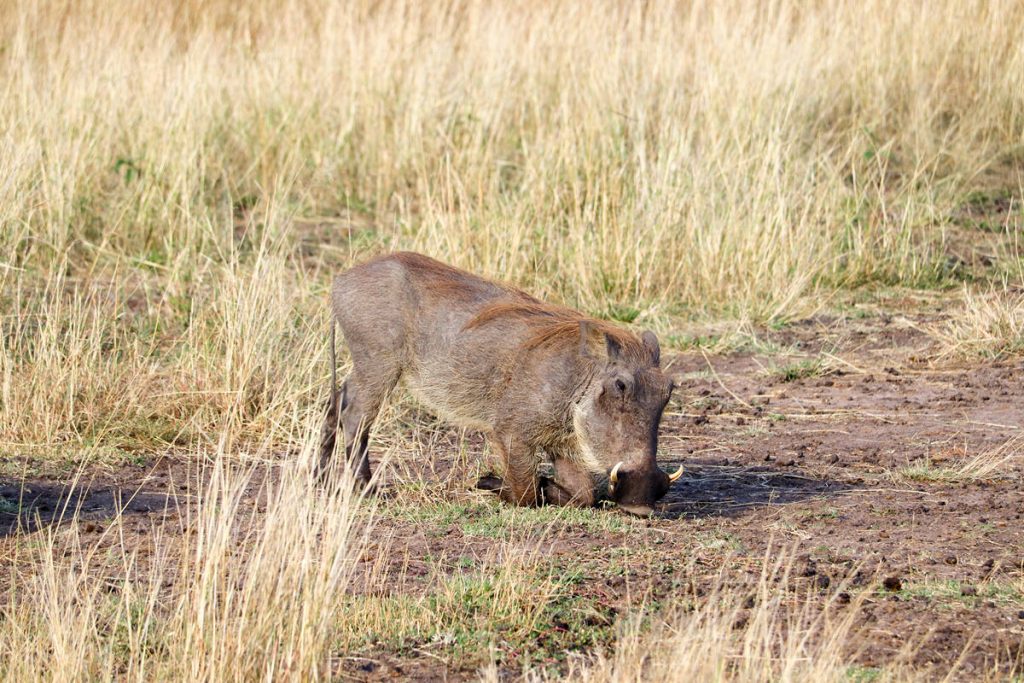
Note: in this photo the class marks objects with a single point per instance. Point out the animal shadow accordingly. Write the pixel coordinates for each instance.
(709, 489)
(32, 504)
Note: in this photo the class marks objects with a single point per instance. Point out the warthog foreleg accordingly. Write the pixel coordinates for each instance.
(572, 485)
(519, 485)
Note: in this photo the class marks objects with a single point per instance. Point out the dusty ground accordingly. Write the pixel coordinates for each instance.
(839, 435)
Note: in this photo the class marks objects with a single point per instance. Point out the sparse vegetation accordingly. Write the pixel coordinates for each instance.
(993, 463)
(801, 369)
(490, 519)
(990, 324)
(735, 637)
(946, 594)
(507, 600)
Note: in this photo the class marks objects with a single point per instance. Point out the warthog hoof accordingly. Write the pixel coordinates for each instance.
(489, 482)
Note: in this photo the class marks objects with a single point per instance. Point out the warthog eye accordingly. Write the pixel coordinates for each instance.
(620, 385)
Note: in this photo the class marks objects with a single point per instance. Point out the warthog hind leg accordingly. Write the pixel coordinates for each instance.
(364, 401)
(360, 400)
(329, 431)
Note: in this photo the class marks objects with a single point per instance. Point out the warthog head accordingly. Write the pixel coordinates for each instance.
(617, 418)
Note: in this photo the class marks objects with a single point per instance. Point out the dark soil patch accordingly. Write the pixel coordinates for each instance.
(151, 489)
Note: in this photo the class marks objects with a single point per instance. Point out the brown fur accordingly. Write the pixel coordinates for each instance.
(488, 356)
(558, 326)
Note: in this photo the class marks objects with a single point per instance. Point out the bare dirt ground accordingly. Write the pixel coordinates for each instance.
(843, 440)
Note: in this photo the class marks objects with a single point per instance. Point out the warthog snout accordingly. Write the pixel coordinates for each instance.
(636, 491)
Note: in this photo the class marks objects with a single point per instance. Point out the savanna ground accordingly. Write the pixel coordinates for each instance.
(818, 207)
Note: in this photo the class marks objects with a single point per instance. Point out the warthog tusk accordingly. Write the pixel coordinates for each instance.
(675, 475)
(613, 477)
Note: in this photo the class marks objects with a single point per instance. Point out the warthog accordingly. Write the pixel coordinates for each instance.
(530, 375)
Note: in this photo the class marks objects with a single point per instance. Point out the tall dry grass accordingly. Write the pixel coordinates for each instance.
(245, 583)
(768, 636)
(180, 179)
(767, 631)
(987, 324)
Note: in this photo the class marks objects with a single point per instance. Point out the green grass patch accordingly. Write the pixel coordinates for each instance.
(493, 519)
(530, 610)
(803, 369)
(727, 342)
(622, 313)
(9, 506)
(863, 674)
(925, 470)
(952, 592)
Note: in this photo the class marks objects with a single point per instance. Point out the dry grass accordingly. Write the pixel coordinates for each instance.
(991, 464)
(246, 588)
(178, 182)
(990, 324)
(722, 641)
(766, 632)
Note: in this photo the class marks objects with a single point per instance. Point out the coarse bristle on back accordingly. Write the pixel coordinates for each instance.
(425, 264)
(451, 281)
(559, 327)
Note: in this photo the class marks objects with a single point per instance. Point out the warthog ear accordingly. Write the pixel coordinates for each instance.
(651, 344)
(586, 330)
(614, 348)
